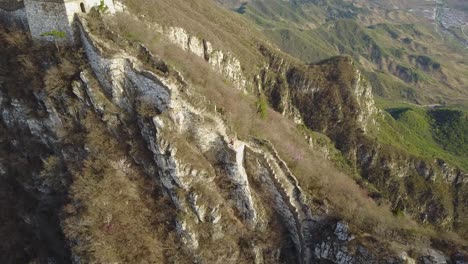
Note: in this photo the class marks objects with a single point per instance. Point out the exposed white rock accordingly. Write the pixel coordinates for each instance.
(341, 230)
(119, 6)
(199, 210)
(126, 83)
(222, 62)
(215, 216)
(92, 94)
(365, 99)
(178, 36)
(235, 168)
(186, 235)
(432, 256)
(77, 90)
(195, 45)
(258, 255)
(406, 259)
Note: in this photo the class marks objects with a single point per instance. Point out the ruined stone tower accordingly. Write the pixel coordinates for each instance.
(45, 16)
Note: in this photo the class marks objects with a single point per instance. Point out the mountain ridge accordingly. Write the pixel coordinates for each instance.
(153, 132)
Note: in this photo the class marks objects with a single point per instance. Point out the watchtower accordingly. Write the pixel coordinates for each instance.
(46, 16)
(43, 17)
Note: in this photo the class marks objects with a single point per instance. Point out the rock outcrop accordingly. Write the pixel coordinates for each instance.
(223, 62)
(221, 159)
(332, 97)
(181, 181)
(124, 132)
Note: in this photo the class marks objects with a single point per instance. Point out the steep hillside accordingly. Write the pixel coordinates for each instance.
(174, 132)
(300, 92)
(403, 55)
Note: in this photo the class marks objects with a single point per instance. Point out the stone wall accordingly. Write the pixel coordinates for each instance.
(47, 16)
(74, 7)
(44, 17)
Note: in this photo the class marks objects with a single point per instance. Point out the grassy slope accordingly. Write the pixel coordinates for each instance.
(224, 29)
(428, 133)
(311, 33)
(318, 176)
(407, 62)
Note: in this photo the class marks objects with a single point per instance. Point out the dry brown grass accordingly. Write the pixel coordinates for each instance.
(58, 78)
(15, 38)
(36, 65)
(318, 176)
(224, 29)
(113, 215)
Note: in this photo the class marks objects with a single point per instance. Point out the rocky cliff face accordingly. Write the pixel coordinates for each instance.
(431, 191)
(332, 97)
(223, 62)
(204, 205)
(126, 162)
(296, 91)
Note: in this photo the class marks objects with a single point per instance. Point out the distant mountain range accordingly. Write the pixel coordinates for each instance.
(416, 51)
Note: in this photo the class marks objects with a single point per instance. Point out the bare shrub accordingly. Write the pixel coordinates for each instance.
(146, 109)
(58, 78)
(348, 200)
(16, 38)
(203, 19)
(317, 176)
(113, 212)
(28, 66)
(51, 175)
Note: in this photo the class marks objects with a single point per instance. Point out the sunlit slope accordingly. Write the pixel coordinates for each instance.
(404, 55)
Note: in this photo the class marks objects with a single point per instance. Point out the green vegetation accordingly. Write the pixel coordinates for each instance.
(384, 85)
(102, 7)
(451, 130)
(414, 63)
(336, 74)
(54, 33)
(110, 201)
(262, 106)
(427, 62)
(318, 176)
(427, 133)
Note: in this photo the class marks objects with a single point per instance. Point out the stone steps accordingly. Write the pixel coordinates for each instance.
(287, 186)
